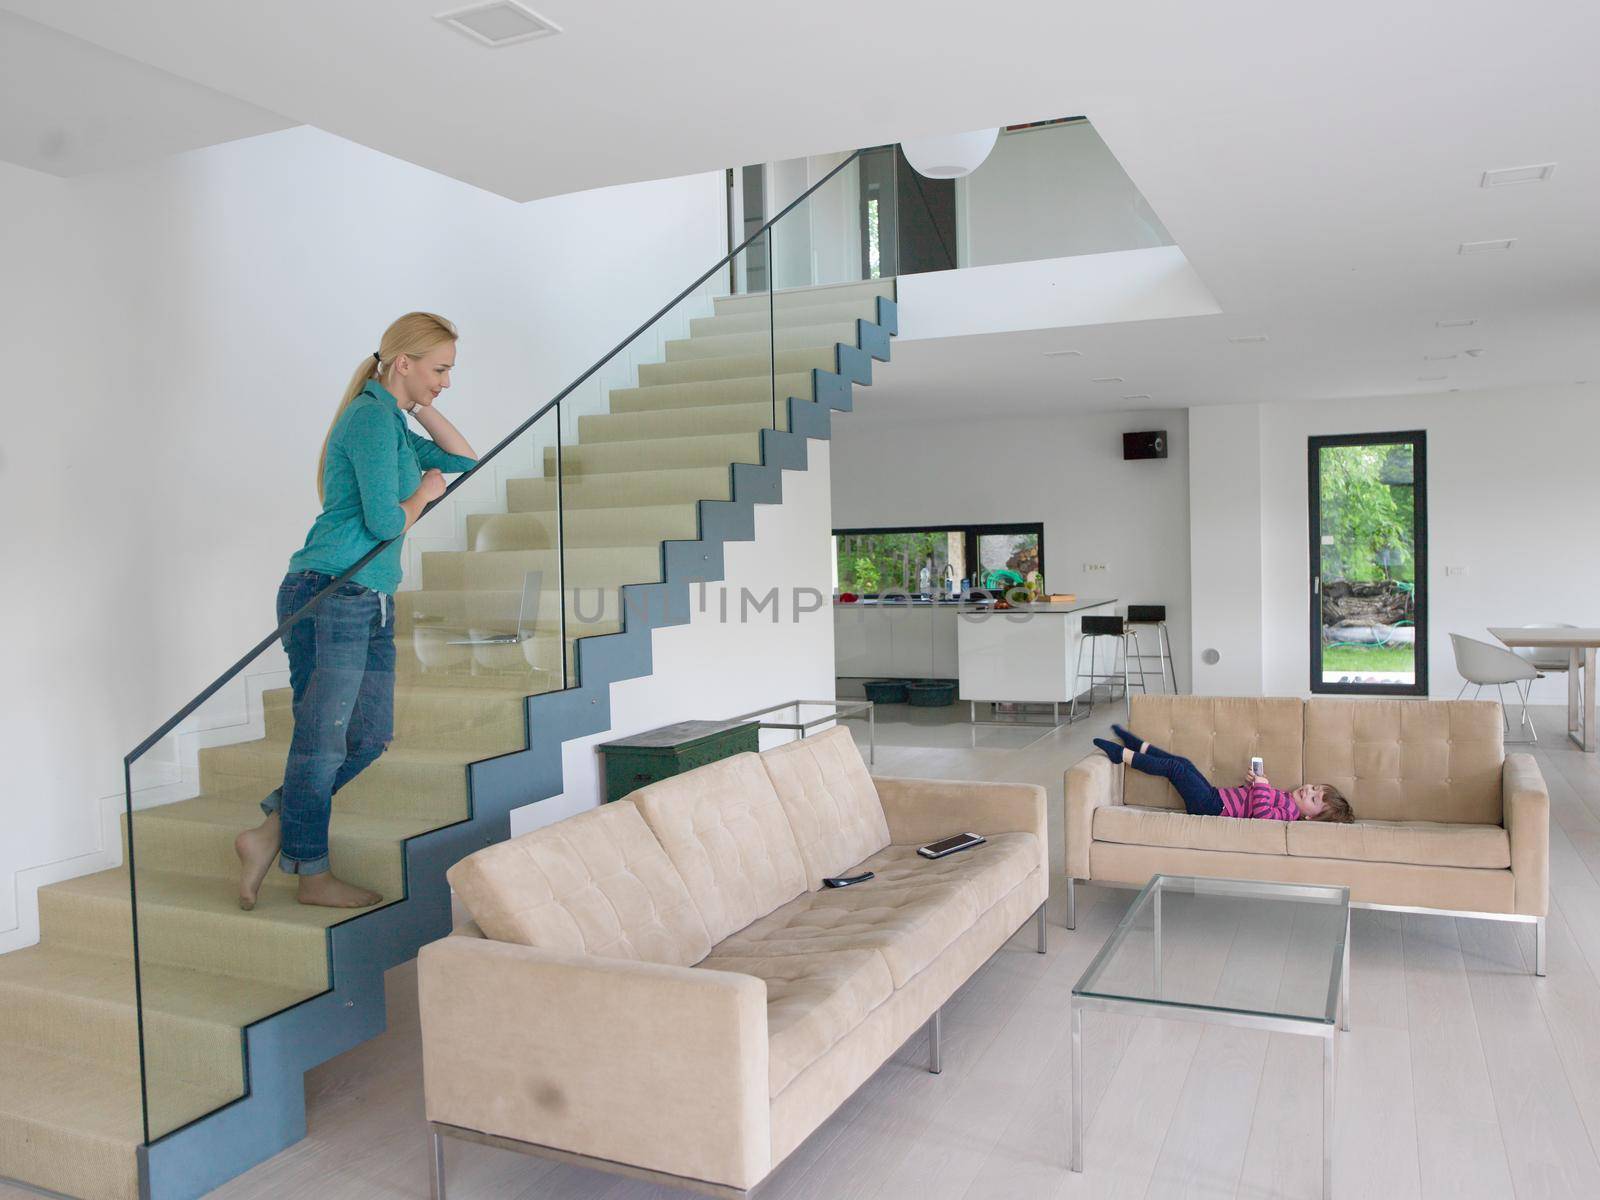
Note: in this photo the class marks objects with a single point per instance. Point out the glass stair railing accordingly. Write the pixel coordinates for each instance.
(153, 1042)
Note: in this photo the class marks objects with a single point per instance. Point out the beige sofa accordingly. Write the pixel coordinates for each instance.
(663, 987)
(1445, 820)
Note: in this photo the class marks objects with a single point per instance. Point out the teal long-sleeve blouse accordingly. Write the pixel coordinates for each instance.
(374, 462)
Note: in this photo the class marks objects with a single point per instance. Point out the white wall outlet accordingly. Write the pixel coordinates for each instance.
(1455, 570)
(1089, 566)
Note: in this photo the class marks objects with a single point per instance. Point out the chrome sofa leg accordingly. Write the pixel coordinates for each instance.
(1538, 947)
(1072, 902)
(935, 1066)
(437, 1156)
(1040, 917)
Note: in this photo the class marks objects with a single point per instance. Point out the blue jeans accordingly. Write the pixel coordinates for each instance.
(1199, 797)
(341, 671)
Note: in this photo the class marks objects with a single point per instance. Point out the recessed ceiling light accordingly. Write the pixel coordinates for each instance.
(1063, 353)
(1431, 378)
(499, 23)
(1109, 379)
(1504, 176)
(1436, 357)
(1140, 396)
(1459, 324)
(1249, 337)
(1491, 244)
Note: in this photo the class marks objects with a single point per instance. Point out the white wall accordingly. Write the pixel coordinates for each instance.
(1067, 472)
(1225, 481)
(1049, 193)
(1512, 494)
(731, 657)
(176, 338)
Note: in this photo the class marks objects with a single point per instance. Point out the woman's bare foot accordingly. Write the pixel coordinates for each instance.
(326, 891)
(256, 849)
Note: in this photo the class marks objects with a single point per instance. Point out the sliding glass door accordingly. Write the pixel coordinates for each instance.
(1369, 563)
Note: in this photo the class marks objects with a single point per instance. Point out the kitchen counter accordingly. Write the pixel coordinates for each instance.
(1010, 657)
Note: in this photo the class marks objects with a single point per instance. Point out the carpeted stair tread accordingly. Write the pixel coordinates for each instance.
(507, 570)
(74, 1128)
(850, 307)
(786, 300)
(603, 458)
(195, 837)
(584, 528)
(800, 361)
(702, 421)
(797, 337)
(710, 393)
(194, 922)
(674, 485)
(485, 721)
(64, 1001)
(405, 782)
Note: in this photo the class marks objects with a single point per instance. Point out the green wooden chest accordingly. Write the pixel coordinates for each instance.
(632, 762)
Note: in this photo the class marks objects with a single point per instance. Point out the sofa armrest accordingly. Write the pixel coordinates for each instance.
(1526, 802)
(1091, 782)
(919, 811)
(653, 1065)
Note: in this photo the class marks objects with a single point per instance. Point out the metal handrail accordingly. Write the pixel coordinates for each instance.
(211, 689)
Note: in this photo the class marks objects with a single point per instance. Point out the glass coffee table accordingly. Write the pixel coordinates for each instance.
(1267, 956)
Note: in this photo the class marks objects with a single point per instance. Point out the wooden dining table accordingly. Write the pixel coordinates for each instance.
(1580, 645)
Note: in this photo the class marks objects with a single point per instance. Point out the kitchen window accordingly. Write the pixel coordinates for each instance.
(918, 559)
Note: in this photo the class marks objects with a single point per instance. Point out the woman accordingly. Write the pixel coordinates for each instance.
(375, 477)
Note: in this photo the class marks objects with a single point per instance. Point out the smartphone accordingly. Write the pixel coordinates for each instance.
(1258, 766)
(951, 845)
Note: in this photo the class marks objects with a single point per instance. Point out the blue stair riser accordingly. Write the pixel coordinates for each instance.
(280, 1049)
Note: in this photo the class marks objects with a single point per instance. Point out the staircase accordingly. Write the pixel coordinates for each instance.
(237, 1006)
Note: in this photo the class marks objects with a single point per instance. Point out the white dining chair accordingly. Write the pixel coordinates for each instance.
(1483, 664)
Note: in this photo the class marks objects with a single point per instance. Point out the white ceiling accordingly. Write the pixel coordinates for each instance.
(68, 107)
(1319, 166)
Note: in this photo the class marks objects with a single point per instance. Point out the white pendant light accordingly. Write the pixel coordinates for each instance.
(951, 155)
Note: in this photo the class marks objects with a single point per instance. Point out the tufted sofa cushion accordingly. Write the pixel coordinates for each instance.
(728, 836)
(598, 883)
(832, 805)
(1399, 760)
(1426, 843)
(987, 873)
(1163, 827)
(910, 926)
(813, 1001)
(1219, 734)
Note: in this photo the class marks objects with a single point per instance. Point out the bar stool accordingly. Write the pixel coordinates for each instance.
(1094, 630)
(1155, 615)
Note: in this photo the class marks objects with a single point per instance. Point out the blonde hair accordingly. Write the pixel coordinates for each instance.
(413, 335)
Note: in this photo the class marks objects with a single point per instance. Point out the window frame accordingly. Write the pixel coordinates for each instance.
(969, 539)
(1419, 459)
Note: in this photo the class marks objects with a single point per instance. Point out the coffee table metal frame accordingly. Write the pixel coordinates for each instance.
(1327, 1027)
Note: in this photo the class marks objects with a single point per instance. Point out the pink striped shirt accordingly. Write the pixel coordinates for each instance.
(1260, 800)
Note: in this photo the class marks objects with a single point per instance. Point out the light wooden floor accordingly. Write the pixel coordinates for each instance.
(1463, 1076)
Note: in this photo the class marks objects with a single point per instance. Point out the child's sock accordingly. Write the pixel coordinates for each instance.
(1137, 744)
(1112, 751)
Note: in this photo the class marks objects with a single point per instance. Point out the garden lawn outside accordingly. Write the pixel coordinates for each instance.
(1360, 659)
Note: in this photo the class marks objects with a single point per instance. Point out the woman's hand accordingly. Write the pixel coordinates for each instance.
(432, 486)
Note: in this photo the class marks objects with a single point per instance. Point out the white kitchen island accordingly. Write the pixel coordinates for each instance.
(1022, 655)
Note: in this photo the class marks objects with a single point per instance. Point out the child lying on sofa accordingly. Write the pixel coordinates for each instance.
(1257, 798)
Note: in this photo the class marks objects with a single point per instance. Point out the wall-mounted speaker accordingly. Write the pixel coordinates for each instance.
(1152, 443)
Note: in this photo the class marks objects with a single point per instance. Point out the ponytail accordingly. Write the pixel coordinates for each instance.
(413, 335)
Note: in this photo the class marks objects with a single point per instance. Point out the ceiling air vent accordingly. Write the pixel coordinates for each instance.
(501, 23)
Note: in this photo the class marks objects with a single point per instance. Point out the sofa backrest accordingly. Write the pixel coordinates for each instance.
(597, 883)
(832, 805)
(1409, 760)
(729, 838)
(1219, 734)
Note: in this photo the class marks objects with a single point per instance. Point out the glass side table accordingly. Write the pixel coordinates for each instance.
(802, 716)
(1160, 961)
